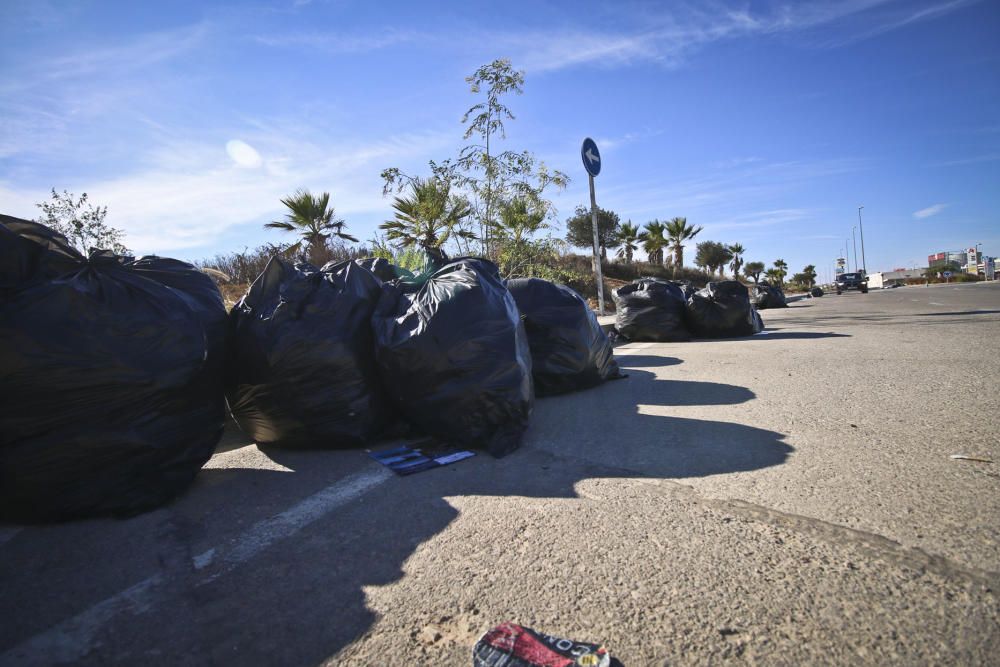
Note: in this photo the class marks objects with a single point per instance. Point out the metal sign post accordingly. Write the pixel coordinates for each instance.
(592, 163)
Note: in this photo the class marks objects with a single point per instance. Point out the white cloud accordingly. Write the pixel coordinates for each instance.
(189, 195)
(243, 154)
(929, 211)
(669, 36)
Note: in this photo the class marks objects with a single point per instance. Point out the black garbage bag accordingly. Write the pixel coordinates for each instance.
(723, 310)
(569, 350)
(454, 356)
(383, 269)
(111, 378)
(816, 292)
(650, 309)
(302, 364)
(767, 296)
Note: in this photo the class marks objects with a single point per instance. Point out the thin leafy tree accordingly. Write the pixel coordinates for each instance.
(315, 221)
(81, 223)
(678, 232)
(428, 217)
(489, 177)
(628, 241)
(487, 119)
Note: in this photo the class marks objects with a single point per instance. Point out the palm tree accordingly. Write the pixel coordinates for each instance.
(774, 276)
(428, 217)
(781, 266)
(315, 221)
(677, 232)
(753, 270)
(653, 241)
(520, 218)
(737, 261)
(810, 274)
(628, 238)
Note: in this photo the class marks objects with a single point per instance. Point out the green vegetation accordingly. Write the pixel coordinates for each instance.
(429, 217)
(627, 241)
(677, 232)
(654, 240)
(753, 270)
(712, 255)
(81, 223)
(580, 229)
(314, 220)
(736, 260)
(505, 190)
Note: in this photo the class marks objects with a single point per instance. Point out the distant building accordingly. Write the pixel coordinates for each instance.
(899, 276)
(947, 260)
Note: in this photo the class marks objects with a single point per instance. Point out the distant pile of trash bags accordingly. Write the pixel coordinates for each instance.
(655, 309)
(115, 373)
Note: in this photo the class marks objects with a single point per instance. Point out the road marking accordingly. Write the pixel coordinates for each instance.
(72, 639)
(934, 303)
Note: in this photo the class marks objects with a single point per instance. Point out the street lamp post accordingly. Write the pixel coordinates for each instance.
(847, 254)
(864, 264)
(854, 229)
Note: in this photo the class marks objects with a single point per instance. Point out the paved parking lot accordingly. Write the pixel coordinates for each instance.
(784, 499)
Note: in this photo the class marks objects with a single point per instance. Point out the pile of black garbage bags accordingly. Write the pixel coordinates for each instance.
(764, 295)
(115, 373)
(654, 309)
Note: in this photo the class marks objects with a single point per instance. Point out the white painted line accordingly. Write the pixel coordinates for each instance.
(934, 303)
(72, 639)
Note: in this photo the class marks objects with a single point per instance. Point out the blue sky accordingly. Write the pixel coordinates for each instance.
(766, 123)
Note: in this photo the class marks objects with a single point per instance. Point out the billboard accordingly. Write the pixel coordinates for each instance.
(939, 257)
(990, 264)
(972, 262)
(840, 265)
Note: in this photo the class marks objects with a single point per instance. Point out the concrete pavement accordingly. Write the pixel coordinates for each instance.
(783, 499)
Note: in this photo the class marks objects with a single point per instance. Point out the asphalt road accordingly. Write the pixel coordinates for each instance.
(784, 499)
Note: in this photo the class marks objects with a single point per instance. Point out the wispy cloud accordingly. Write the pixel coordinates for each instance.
(989, 157)
(111, 62)
(762, 219)
(893, 18)
(338, 42)
(670, 36)
(929, 211)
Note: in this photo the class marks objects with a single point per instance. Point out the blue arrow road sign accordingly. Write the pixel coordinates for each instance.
(591, 157)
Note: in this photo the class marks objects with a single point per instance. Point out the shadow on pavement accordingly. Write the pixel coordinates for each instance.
(302, 599)
(645, 361)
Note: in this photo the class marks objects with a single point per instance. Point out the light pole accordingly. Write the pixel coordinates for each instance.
(847, 255)
(864, 264)
(854, 229)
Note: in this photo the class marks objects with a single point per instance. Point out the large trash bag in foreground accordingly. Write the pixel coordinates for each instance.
(454, 356)
(650, 309)
(302, 368)
(722, 310)
(111, 378)
(569, 350)
(767, 296)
